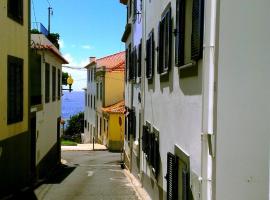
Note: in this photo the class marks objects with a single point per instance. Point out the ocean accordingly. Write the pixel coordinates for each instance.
(72, 103)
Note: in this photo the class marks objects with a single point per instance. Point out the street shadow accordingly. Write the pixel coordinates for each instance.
(29, 195)
(60, 174)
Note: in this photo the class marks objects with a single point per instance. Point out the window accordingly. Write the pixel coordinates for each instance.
(165, 42)
(47, 83)
(130, 64)
(139, 69)
(150, 56)
(197, 29)
(97, 90)
(85, 123)
(150, 146)
(91, 101)
(126, 71)
(88, 75)
(15, 10)
(134, 63)
(104, 125)
(101, 91)
(88, 126)
(100, 125)
(53, 83)
(94, 102)
(172, 176)
(134, 10)
(180, 33)
(15, 90)
(59, 84)
(88, 102)
(85, 98)
(35, 79)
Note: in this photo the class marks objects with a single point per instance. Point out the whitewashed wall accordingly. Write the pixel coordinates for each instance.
(243, 96)
(90, 113)
(47, 118)
(173, 107)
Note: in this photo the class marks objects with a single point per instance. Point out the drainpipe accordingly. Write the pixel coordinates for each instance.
(208, 98)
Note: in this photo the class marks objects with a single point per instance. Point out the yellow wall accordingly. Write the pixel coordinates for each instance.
(114, 87)
(115, 129)
(13, 41)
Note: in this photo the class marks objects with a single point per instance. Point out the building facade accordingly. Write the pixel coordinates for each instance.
(105, 88)
(15, 151)
(45, 99)
(202, 99)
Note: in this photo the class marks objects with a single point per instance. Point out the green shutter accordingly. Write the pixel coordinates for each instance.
(35, 79)
(197, 29)
(180, 33)
(47, 83)
(15, 90)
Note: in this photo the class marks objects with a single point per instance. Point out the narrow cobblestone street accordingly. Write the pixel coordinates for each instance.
(87, 175)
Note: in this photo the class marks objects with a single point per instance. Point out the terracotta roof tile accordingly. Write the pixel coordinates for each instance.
(116, 108)
(114, 62)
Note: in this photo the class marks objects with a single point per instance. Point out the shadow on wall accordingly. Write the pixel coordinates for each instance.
(167, 81)
(190, 80)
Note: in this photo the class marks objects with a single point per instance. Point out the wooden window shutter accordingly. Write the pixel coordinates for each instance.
(160, 47)
(139, 69)
(126, 71)
(156, 155)
(172, 176)
(185, 184)
(47, 83)
(130, 62)
(35, 79)
(135, 63)
(150, 55)
(197, 29)
(59, 84)
(14, 90)
(144, 139)
(53, 83)
(134, 10)
(168, 40)
(180, 33)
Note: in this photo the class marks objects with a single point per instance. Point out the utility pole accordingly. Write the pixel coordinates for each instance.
(49, 19)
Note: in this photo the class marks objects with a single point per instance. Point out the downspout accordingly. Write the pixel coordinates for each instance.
(208, 153)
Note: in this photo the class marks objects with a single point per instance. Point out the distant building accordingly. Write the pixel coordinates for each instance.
(45, 101)
(16, 152)
(114, 116)
(105, 88)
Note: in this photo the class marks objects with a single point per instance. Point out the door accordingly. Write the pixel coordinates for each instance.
(33, 131)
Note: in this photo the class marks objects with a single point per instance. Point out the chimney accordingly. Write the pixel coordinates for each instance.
(92, 59)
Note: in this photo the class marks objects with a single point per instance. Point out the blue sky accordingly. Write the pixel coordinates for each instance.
(86, 27)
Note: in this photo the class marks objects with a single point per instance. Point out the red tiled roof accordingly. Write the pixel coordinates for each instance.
(50, 48)
(116, 108)
(115, 62)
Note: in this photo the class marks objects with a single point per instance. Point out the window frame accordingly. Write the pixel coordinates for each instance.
(165, 42)
(17, 14)
(180, 33)
(15, 91)
(150, 56)
(53, 83)
(47, 82)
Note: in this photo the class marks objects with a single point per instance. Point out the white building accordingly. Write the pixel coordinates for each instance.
(45, 87)
(205, 106)
(133, 39)
(90, 103)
